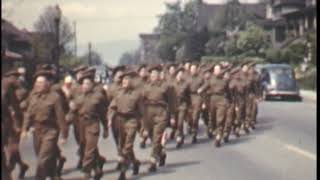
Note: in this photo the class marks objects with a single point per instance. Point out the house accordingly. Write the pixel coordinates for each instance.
(16, 45)
(290, 19)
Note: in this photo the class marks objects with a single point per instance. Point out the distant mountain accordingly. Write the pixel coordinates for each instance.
(110, 51)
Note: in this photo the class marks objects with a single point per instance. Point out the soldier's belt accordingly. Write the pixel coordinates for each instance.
(128, 114)
(217, 94)
(155, 103)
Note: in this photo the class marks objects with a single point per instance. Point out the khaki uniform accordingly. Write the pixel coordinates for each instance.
(113, 90)
(216, 88)
(46, 115)
(158, 101)
(182, 93)
(195, 82)
(236, 114)
(8, 98)
(13, 150)
(139, 85)
(127, 108)
(91, 110)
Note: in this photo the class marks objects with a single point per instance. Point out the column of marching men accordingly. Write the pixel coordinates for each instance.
(142, 100)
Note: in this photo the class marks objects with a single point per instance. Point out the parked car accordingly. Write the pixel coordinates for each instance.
(278, 81)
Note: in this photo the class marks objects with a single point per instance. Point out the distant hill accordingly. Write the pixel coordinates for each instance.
(110, 51)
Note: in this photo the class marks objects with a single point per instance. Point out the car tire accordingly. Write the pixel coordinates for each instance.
(265, 96)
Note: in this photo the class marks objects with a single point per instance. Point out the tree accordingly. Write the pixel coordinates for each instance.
(45, 27)
(129, 58)
(253, 38)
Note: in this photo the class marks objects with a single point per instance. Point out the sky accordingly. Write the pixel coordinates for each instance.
(112, 26)
(97, 20)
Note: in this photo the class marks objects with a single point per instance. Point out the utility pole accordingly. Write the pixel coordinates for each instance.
(75, 37)
(89, 54)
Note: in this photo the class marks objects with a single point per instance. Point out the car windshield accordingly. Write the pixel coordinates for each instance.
(281, 72)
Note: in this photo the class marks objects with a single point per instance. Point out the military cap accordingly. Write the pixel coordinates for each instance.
(156, 68)
(252, 63)
(49, 74)
(245, 62)
(12, 73)
(208, 69)
(171, 65)
(87, 74)
(80, 68)
(118, 68)
(180, 69)
(128, 74)
(141, 66)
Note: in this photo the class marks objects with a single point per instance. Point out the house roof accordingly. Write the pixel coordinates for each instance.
(18, 35)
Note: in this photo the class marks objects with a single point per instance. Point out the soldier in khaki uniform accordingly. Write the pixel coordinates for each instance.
(158, 107)
(13, 150)
(195, 82)
(46, 115)
(9, 84)
(90, 106)
(256, 94)
(205, 102)
(182, 102)
(249, 81)
(238, 93)
(112, 92)
(127, 106)
(216, 89)
(140, 81)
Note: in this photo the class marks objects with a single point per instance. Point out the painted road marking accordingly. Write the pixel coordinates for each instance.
(301, 152)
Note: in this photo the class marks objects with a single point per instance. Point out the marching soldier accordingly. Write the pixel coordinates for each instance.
(46, 115)
(127, 106)
(90, 106)
(9, 84)
(195, 82)
(158, 107)
(141, 80)
(216, 89)
(182, 101)
(112, 92)
(14, 156)
(205, 102)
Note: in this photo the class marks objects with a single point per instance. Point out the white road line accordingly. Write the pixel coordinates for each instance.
(301, 152)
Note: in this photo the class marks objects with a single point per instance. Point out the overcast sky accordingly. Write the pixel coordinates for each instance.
(97, 20)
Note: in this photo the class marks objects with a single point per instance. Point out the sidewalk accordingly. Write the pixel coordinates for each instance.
(308, 95)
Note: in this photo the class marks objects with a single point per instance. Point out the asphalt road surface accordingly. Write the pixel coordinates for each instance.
(283, 147)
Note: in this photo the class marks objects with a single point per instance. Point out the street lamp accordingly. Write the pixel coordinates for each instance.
(57, 18)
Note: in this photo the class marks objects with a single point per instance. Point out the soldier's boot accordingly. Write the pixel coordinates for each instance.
(61, 162)
(136, 167)
(152, 167)
(101, 162)
(217, 141)
(237, 132)
(23, 169)
(189, 130)
(246, 129)
(122, 176)
(162, 160)
(226, 138)
(180, 142)
(98, 173)
(252, 125)
(87, 176)
(79, 165)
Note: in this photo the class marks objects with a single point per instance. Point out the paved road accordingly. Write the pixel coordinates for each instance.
(283, 147)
